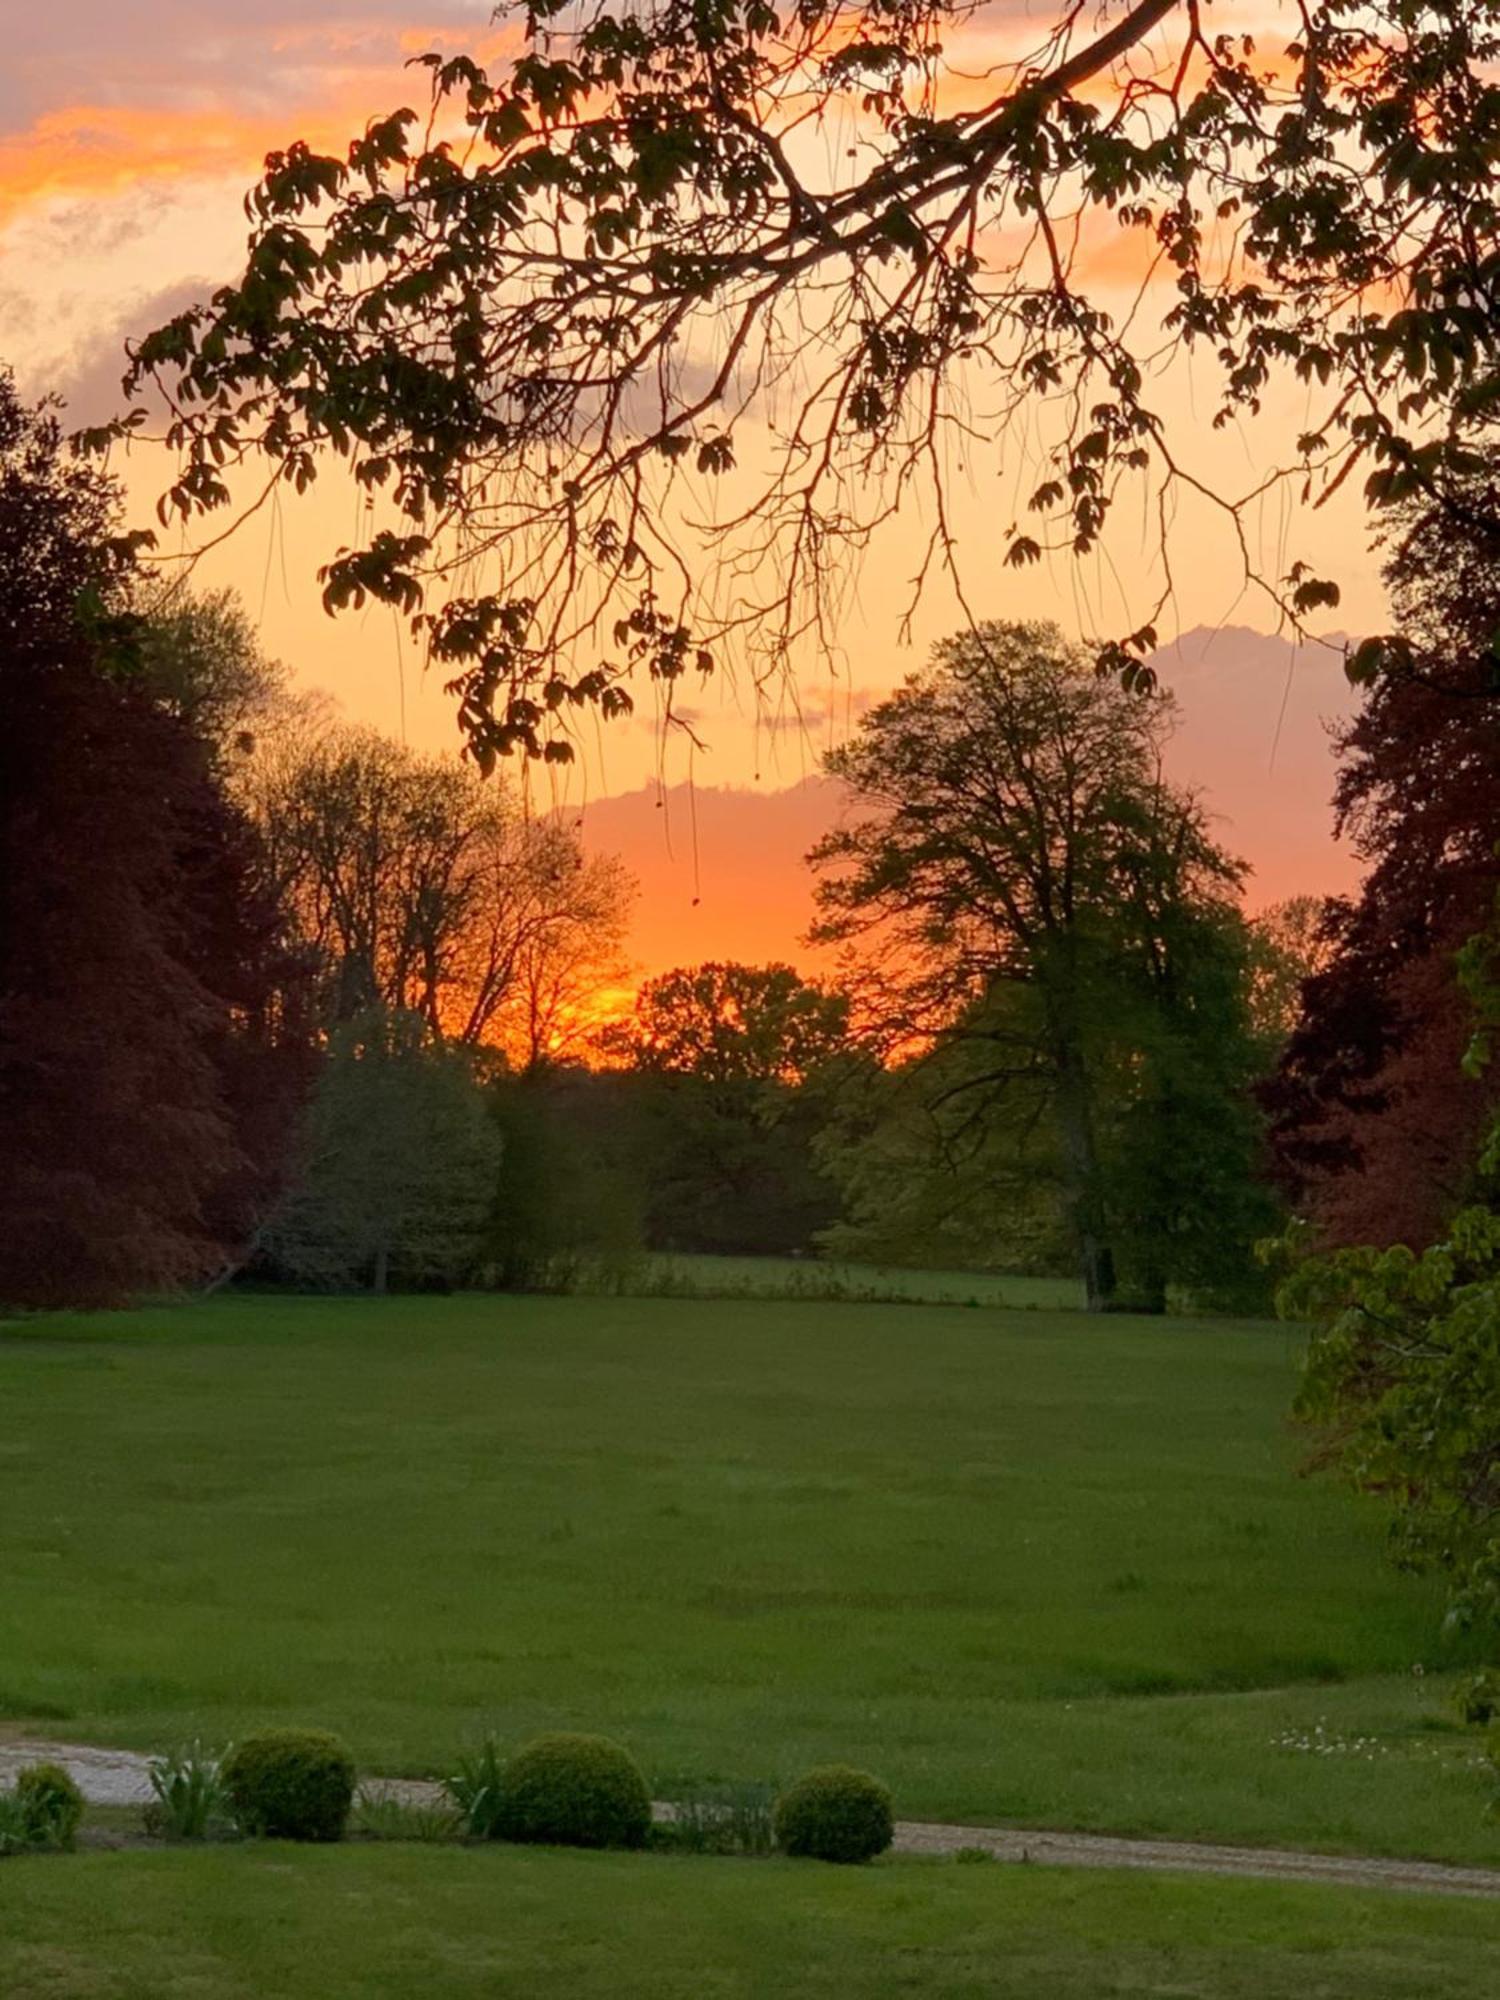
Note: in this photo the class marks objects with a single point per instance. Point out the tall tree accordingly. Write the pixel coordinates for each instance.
(1375, 1123)
(151, 1053)
(398, 1163)
(637, 266)
(1018, 874)
(421, 889)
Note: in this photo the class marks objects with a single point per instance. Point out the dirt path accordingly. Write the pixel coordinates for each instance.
(118, 1778)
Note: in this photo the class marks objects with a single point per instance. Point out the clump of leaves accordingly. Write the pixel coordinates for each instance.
(189, 1800)
(476, 1788)
(1401, 1378)
(1478, 1698)
(42, 1812)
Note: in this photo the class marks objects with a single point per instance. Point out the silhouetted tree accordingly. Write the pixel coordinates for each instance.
(1375, 1123)
(420, 888)
(150, 1053)
(735, 1064)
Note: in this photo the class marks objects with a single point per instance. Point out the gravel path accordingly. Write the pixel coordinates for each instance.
(118, 1778)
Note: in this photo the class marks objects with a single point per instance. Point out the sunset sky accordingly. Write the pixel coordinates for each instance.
(129, 131)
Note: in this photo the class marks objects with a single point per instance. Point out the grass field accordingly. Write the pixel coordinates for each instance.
(381, 1923)
(1029, 1567)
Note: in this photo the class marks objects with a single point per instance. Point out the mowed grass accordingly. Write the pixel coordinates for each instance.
(359, 1923)
(1028, 1566)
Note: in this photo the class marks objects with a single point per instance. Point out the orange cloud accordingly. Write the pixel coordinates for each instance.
(110, 149)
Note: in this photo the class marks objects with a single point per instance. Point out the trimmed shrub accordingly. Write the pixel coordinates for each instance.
(51, 1805)
(835, 1814)
(290, 1784)
(574, 1791)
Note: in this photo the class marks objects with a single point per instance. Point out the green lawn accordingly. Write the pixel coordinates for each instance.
(1028, 1566)
(388, 1923)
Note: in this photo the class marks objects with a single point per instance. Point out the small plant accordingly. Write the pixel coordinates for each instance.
(574, 1791)
(475, 1789)
(721, 1819)
(189, 1800)
(290, 1784)
(835, 1814)
(1478, 1699)
(50, 1806)
(971, 1856)
(380, 1815)
(15, 1835)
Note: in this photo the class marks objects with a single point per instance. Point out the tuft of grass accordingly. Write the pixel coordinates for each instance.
(704, 1817)
(380, 1815)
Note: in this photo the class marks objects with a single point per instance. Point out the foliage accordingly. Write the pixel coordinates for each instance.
(189, 1800)
(48, 1807)
(1478, 1698)
(398, 1163)
(922, 1183)
(1375, 1124)
(835, 1814)
(152, 1041)
(569, 1790)
(419, 888)
(1403, 1374)
(290, 1784)
(14, 1832)
(735, 1067)
(728, 1024)
(201, 659)
(569, 1196)
(705, 1818)
(476, 1788)
(1019, 878)
(576, 314)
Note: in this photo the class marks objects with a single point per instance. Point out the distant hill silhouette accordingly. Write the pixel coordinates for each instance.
(721, 867)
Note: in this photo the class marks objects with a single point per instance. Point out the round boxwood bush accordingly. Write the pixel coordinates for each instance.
(50, 1805)
(574, 1791)
(835, 1814)
(290, 1784)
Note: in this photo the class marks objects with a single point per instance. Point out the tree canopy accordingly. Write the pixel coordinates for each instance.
(418, 888)
(1375, 1122)
(152, 1031)
(848, 249)
(1016, 873)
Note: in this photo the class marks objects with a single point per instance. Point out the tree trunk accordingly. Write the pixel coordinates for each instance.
(1076, 1124)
